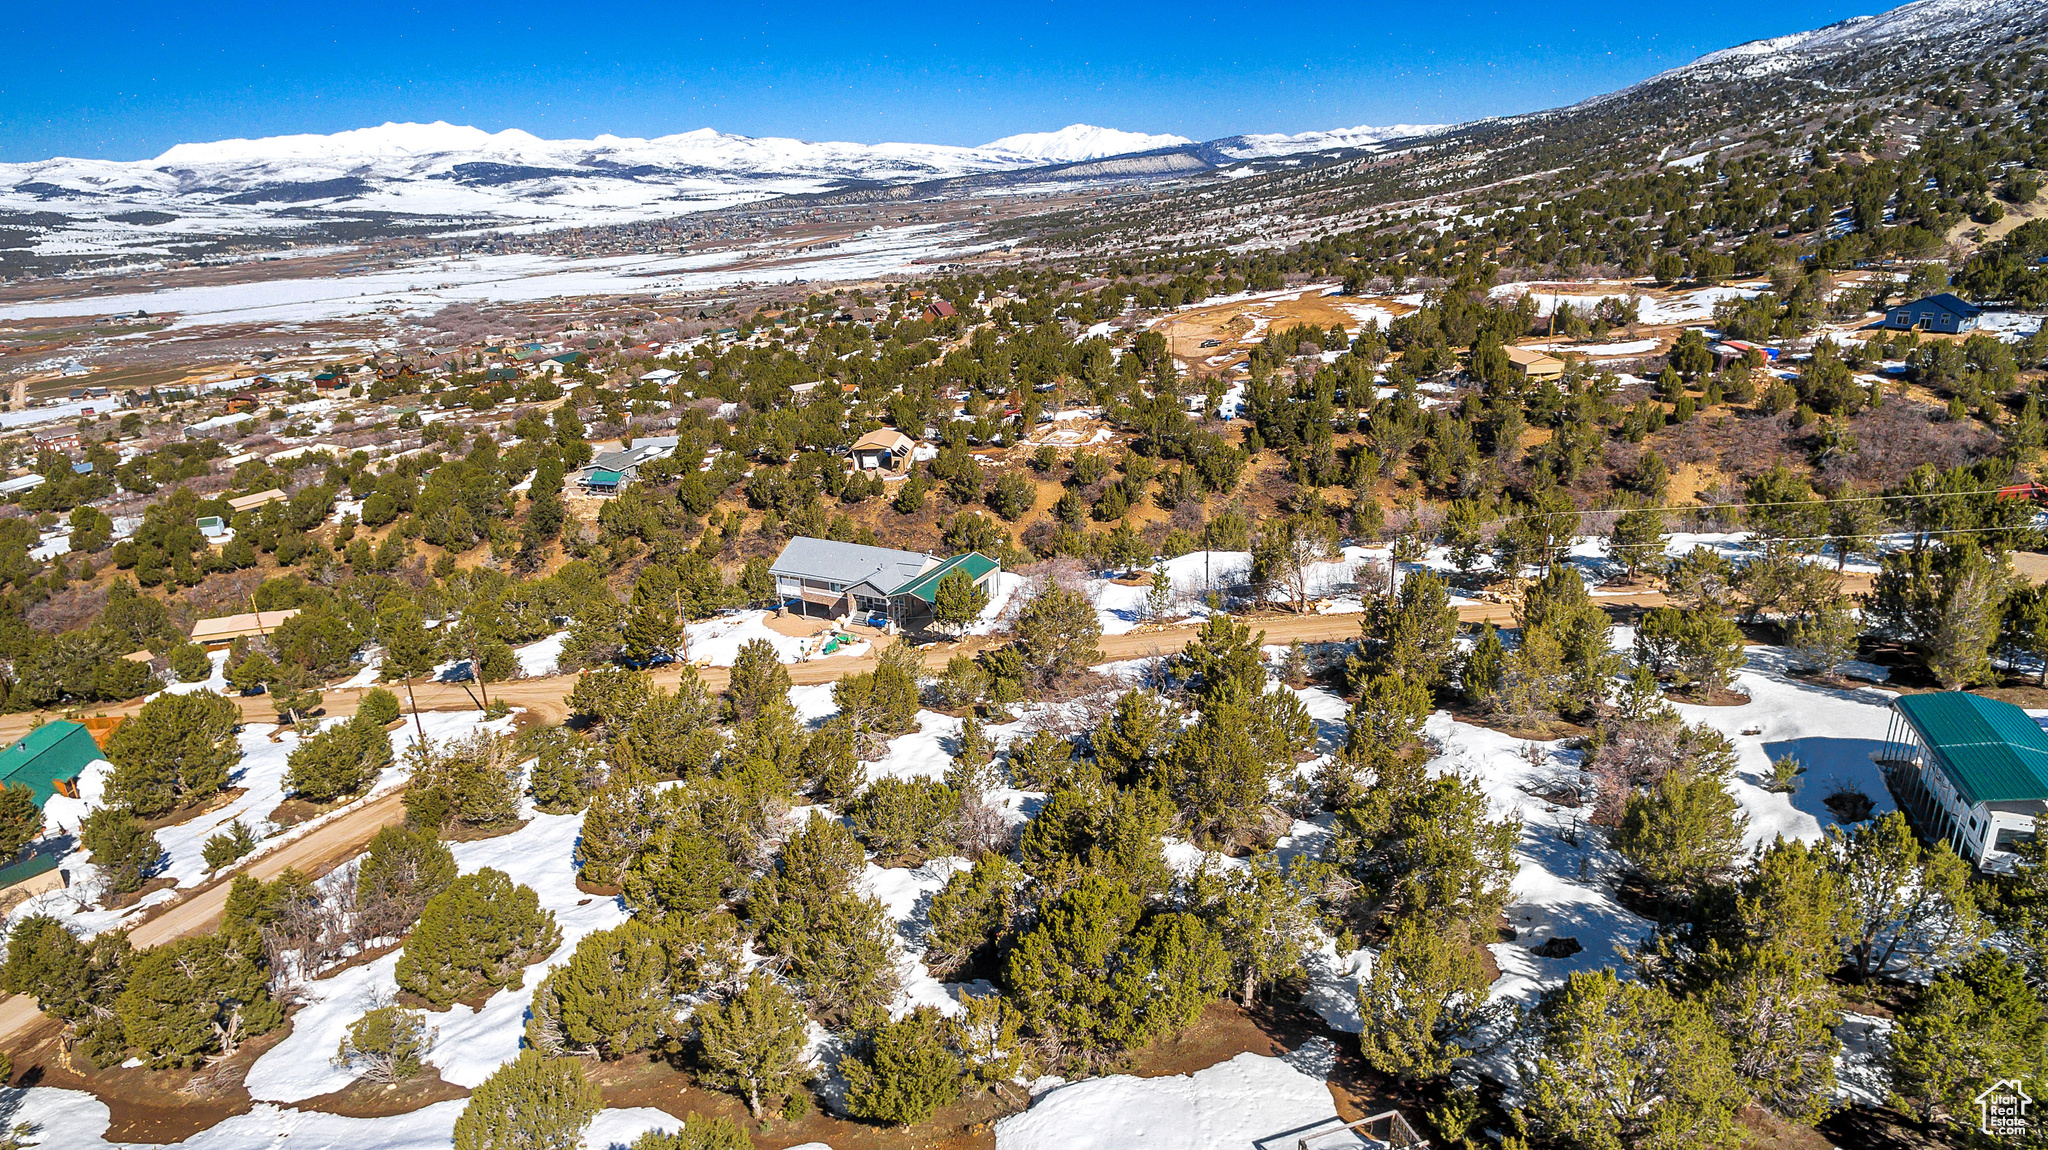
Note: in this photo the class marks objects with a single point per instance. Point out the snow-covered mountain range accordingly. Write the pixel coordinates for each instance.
(203, 198)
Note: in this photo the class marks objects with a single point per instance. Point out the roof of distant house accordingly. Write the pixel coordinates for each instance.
(234, 626)
(883, 439)
(1947, 301)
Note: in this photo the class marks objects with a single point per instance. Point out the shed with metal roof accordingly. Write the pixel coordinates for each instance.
(1967, 770)
(49, 759)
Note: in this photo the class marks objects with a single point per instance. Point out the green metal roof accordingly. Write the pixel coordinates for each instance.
(926, 586)
(1992, 751)
(47, 755)
(600, 478)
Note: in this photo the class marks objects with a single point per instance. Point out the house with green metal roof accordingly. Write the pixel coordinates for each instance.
(49, 759)
(1967, 770)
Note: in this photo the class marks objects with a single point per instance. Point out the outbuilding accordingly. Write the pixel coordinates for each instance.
(1967, 770)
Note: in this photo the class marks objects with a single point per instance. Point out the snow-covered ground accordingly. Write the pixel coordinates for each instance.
(1250, 1101)
(74, 1120)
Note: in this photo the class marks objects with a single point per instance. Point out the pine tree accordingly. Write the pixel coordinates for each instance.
(1638, 541)
(674, 734)
(1411, 633)
(197, 996)
(1776, 1006)
(231, 844)
(652, 629)
(1683, 833)
(179, 749)
(566, 771)
(753, 1043)
(531, 1103)
(1057, 635)
(1426, 992)
(1097, 976)
(21, 820)
(905, 819)
(120, 847)
(387, 1044)
(958, 601)
(1824, 640)
(476, 936)
(612, 998)
(718, 1133)
(1976, 1024)
(1265, 914)
(1897, 893)
(971, 914)
(759, 683)
(341, 761)
(1130, 742)
(401, 872)
(1430, 847)
(408, 648)
(1625, 1064)
(906, 1070)
(378, 707)
(1224, 660)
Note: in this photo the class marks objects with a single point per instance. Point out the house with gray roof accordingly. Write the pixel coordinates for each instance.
(826, 577)
(612, 471)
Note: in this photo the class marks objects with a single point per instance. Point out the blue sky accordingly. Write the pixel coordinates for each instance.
(124, 80)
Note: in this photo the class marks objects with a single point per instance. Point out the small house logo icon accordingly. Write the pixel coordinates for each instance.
(2002, 1109)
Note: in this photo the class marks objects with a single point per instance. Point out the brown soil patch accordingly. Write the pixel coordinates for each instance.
(148, 1105)
(365, 1099)
(463, 834)
(292, 812)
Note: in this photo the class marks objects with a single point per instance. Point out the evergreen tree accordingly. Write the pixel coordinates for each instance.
(378, 707)
(674, 734)
(1057, 633)
(178, 750)
(1430, 848)
(340, 761)
(402, 871)
(612, 998)
(1944, 601)
(1625, 1065)
(717, 1133)
(566, 771)
(958, 601)
(1776, 1006)
(231, 844)
(1695, 648)
(72, 979)
(1131, 741)
(194, 997)
(408, 648)
(1266, 915)
(906, 1070)
(1225, 662)
(473, 781)
(1426, 992)
(531, 1103)
(1410, 634)
(1823, 641)
(1096, 976)
(759, 683)
(21, 820)
(120, 847)
(387, 1044)
(476, 936)
(753, 1043)
(1638, 541)
(905, 819)
(971, 914)
(653, 630)
(1905, 903)
(1086, 828)
(1975, 1024)
(1683, 833)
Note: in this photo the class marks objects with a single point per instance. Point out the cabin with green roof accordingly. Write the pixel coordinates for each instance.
(49, 759)
(1968, 771)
